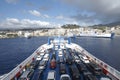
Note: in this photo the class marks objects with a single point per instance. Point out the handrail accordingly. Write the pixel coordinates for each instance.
(113, 72)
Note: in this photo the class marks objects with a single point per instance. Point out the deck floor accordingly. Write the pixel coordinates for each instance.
(43, 76)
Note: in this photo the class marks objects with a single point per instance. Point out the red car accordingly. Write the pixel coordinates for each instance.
(53, 63)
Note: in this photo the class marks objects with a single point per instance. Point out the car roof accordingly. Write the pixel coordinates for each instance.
(51, 74)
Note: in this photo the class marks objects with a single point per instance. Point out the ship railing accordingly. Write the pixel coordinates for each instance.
(21, 66)
(112, 72)
(115, 74)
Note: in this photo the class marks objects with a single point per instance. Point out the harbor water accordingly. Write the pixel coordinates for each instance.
(14, 51)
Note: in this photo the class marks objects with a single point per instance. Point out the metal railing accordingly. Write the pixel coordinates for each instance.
(115, 74)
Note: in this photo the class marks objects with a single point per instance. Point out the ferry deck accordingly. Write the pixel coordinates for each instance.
(55, 47)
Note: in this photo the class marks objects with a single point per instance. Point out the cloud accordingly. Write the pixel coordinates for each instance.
(14, 23)
(38, 14)
(45, 8)
(12, 1)
(34, 12)
(46, 16)
(103, 11)
(61, 17)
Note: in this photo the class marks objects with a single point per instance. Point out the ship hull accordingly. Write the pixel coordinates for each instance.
(111, 35)
(57, 45)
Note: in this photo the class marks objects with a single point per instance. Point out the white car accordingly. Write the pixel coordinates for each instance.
(41, 54)
(60, 53)
(84, 59)
(76, 59)
(46, 57)
(38, 57)
(51, 75)
(42, 65)
(65, 77)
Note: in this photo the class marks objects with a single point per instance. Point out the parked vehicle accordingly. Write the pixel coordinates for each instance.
(62, 68)
(53, 56)
(27, 75)
(68, 59)
(34, 64)
(81, 67)
(94, 68)
(38, 58)
(84, 59)
(38, 75)
(74, 72)
(46, 57)
(60, 53)
(88, 76)
(53, 63)
(51, 75)
(103, 77)
(76, 58)
(42, 54)
(61, 60)
(42, 65)
(65, 77)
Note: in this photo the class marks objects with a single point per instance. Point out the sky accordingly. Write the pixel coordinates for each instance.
(18, 14)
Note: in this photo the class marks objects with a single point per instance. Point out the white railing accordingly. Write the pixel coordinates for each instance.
(19, 68)
(115, 74)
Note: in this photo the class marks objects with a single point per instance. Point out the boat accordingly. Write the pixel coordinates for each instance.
(96, 35)
(93, 68)
(27, 35)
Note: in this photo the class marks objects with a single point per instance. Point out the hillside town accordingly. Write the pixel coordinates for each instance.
(56, 32)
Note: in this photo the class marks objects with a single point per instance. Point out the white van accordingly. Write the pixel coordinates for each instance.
(51, 75)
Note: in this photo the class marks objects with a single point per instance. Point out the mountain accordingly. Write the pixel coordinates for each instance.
(109, 24)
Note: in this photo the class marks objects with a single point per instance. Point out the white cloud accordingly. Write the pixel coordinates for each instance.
(46, 16)
(12, 1)
(104, 11)
(34, 12)
(59, 17)
(38, 14)
(14, 23)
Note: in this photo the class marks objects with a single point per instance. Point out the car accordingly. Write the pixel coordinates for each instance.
(51, 75)
(88, 76)
(46, 57)
(53, 64)
(38, 58)
(38, 75)
(94, 68)
(84, 59)
(62, 68)
(61, 60)
(53, 56)
(104, 77)
(74, 72)
(76, 59)
(60, 53)
(68, 60)
(42, 54)
(42, 65)
(65, 77)
(34, 64)
(27, 75)
(81, 67)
